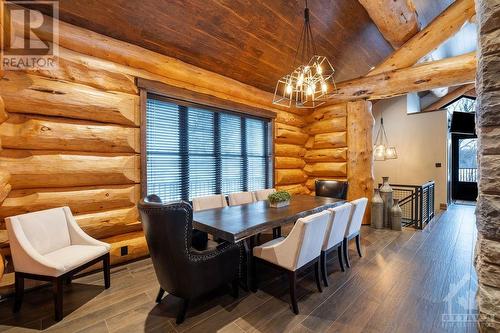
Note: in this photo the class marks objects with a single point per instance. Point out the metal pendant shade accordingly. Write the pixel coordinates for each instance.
(381, 150)
(308, 84)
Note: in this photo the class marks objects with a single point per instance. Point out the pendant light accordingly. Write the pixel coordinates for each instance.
(307, 85)
(381, 150)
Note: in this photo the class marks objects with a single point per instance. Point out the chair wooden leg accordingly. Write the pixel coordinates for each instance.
(57, 291)
(292, 278)
(160, 295)
(316, 276)
(182, 311)
(358, 245)
(106, 269)
(68, 280)
(19, 286)
(345, 245)
(323, 268)
(341, 260)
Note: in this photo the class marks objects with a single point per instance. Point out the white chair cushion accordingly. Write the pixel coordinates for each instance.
(46, 230)
(262, 195)
(74, 256)
(300, 247)
(357, 213)
(50, 242)
(209, 202)
(240, 198)
(337, 225)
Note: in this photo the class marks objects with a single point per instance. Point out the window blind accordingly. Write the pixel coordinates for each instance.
(192, 151)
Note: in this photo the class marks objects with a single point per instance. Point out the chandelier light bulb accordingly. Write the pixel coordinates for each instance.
(318, 69)
(289, 89)
(309, 90)
(306, 69)
(324, 87)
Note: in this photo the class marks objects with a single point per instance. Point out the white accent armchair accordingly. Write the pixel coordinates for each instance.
(50, 246)
(354, 227)
(300, 249)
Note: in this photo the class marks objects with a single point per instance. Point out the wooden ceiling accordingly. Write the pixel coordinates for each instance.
(252, 41)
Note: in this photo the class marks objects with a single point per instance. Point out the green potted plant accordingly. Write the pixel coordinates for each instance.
(279, 199)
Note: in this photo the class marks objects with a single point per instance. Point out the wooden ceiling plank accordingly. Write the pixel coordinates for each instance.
(442, 73)
(396, 19)
(450, 97)
(438, 31)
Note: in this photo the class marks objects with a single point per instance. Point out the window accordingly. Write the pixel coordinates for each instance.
(194, 151)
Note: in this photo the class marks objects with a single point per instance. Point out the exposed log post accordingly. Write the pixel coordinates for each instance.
(360, 124)
(448, 98)
(487, 254)
(396, 19)
(439, 30)
(442, 73)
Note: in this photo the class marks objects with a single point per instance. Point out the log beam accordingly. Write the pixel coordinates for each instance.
(448, 98)
(438, 31)
(396, 19)
(442, 73)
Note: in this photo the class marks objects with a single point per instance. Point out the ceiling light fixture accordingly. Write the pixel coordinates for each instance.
(308, 84)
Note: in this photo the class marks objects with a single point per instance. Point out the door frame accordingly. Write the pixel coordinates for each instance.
(460, 190)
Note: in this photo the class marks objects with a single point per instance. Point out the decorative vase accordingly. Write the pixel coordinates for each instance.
(386, 194)
(396, 214)
(377, 210)
(279, 204)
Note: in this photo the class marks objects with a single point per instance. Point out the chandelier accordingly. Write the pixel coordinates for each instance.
(381, 150)
(308, 84)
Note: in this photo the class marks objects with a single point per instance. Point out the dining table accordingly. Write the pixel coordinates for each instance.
(242, 223)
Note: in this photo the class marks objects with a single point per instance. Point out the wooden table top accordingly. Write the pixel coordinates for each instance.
(235, 223)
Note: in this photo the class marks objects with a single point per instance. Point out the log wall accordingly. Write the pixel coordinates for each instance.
(71, 136)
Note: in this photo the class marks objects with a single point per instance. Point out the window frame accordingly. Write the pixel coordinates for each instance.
(243, 111)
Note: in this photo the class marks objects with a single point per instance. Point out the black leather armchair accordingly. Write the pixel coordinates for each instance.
(182, 270)
(331, 188)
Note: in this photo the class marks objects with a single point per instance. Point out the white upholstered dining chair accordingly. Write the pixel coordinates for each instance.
(354, 227)
(209, 202)
(334, 236)
(50, 246)
(261, 195)
(240, 198)
(298, 250)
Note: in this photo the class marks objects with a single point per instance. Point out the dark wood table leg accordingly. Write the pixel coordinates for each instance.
(248, 244)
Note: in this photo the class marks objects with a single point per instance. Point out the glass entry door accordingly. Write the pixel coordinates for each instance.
(464, 167)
